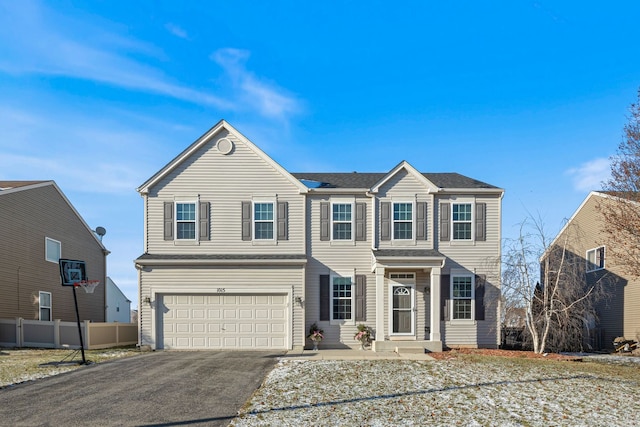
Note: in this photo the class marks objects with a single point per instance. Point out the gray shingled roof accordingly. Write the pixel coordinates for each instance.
(368, 180)
(190, 257)
(406, 253)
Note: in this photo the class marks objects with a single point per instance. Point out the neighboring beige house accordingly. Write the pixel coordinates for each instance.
(118, 305)
(618, 314)
(239, 253)
(38, 226)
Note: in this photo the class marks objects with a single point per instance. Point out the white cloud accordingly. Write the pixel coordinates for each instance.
(45, 42)
(176, 31)
(590, 175)
(267, 98)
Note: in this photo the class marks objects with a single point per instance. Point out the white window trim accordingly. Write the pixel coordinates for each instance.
(352, 204)
(595, 253)
(473, 299)
(46, 250)
(40, 306)
(473, 217)
(413, 220)
(274, 205)
(175, 222)
(351, 321)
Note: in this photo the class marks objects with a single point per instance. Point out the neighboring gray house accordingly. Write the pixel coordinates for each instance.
(118, 305)
(239, 253)
(38, 226)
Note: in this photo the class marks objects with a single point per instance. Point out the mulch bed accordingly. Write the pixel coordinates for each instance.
(454, 353)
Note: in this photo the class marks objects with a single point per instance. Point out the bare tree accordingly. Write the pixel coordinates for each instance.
(548, 280)
(621, 212)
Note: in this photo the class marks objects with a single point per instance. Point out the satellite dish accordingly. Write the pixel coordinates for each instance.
(101, 231)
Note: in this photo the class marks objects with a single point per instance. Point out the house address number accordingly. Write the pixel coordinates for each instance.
(221, 290)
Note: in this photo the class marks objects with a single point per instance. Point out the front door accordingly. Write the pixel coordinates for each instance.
(402, 286)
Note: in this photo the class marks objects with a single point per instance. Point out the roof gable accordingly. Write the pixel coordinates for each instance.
(204, 139)
(9, 187)
(404, 165)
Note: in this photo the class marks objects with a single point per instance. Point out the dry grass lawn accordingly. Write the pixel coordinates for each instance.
(20, 365)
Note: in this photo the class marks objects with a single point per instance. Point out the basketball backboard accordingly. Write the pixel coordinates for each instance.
(72, 271)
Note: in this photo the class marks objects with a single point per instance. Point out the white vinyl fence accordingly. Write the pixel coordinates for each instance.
(19, 332)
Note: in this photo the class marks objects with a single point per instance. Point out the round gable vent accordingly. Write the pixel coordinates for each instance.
(224, 145)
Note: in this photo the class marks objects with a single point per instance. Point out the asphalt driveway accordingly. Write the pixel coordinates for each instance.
(171, 388)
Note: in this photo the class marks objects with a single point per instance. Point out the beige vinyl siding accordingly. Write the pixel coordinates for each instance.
(26, 218)
(404, 187)
(341, 257)
(225, 181)
(210, 280)
(618, 312)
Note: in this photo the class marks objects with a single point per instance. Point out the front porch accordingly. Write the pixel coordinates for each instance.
(407, 301)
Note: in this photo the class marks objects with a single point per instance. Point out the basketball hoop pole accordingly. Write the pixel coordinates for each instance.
(75, 300)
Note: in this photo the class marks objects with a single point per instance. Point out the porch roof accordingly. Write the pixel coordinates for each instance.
(408, 258)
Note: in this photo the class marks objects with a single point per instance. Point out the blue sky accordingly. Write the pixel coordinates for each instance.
(530, 96)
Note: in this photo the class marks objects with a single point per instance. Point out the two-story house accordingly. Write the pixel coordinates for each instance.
(38, 226)
(239, 253)
(616, 311)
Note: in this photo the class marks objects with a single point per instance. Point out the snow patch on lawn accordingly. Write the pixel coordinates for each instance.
(452, 392)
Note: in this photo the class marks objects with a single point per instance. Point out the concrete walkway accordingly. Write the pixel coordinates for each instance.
(349, 354)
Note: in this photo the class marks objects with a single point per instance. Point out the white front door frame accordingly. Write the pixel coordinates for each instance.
(400, 284)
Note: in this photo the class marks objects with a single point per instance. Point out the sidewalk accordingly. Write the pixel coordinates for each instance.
(349, 354)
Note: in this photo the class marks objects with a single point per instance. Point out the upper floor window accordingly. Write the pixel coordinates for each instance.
(185, 221)
(53, 250)
(595, 259)
(462, 297)
(461, 219)
(44, 301)
(263, 222)
(342, 221)
(403, 221)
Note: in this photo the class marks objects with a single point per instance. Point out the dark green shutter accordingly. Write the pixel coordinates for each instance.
(385, 221)
(361, 298)
(481, 221)
(481, 280)
(246, 220)
(203, 219)
(325, 298)
(324, 221)
(361, 221)
(283, 221)
(168, 220)
(445, 211)
(421, 221)
(445, 288)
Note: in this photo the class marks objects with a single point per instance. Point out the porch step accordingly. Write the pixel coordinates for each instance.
(410, 350)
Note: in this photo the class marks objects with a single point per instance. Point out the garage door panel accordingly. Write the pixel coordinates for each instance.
(224, 321)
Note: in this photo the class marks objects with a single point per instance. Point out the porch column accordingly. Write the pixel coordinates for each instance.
(435, 305)
(380, 304)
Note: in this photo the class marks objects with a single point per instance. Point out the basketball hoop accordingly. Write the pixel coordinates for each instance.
(88, 285)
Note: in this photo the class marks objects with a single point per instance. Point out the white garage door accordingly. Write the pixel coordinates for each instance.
(225, 322)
